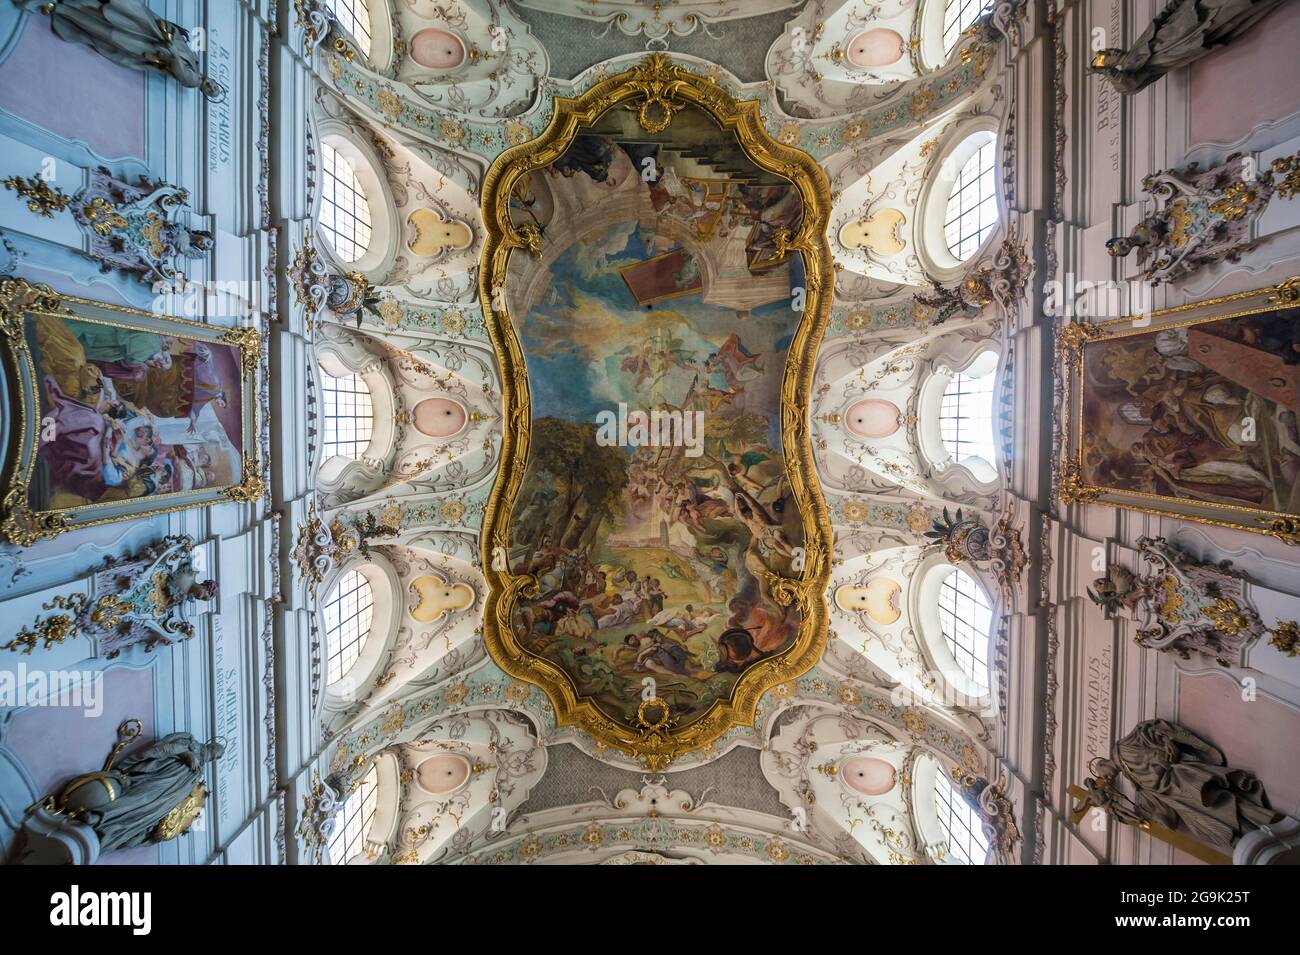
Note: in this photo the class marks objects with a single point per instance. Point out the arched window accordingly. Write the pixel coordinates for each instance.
(965, 618)
(966, 413)
(972, 211)
(348, 416)
(354, 16)
(959, 821)
(958, 17)
(344, 214)
(348, 613)
(353, 820)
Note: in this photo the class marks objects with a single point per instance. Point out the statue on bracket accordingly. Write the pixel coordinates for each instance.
(152, 795)
(140, 602)
(133, 228)
(1182, 785)
(127, 32)
(1201, 217)
(1186, 606)
(1182, 33)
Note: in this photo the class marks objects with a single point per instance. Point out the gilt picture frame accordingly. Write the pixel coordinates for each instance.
(654, 93)
(1190, 412)
(113, 413)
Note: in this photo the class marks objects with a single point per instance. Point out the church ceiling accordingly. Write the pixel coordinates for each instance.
(608, 351)
(740, 44)
(655, 248)
(625, 432)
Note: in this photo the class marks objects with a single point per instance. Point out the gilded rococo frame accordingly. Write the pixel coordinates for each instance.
(19, 523)
(655, 89)
(1074, 487)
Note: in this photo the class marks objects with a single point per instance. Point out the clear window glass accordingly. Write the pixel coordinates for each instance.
(348, 416)
(344, 215)
(353, 820)
(966, 413)
(958, 17)
(966, 617)
(972, 211)
(348, 612)
(966, 838)
(354, 16)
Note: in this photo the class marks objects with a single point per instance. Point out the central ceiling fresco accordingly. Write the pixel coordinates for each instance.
(658, 546)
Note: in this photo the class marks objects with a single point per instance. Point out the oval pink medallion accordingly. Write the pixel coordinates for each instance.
(872, 418)
(437, 49)
(438, 417)
(442, 774)
(878, 47)
(868, 775)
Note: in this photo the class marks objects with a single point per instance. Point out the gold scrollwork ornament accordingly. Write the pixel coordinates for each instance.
(53, 629)
(1074, 489)
(249, 343)
(1286, 637)
(178, 822)
(1074, 336)
(252, 487)
(42, 198)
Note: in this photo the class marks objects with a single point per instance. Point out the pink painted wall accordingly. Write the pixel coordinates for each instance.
(58, 742)
(1259, 735)
(71, 90)
(1252, 81)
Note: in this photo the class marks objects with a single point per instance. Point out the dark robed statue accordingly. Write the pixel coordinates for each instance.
(1179, 35)
(127, 32)
(152, 782)
(1180, 777)
(150, 795)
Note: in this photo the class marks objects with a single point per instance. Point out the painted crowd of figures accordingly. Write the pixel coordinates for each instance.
(130, 413)
(716, 208)
(1206, 412)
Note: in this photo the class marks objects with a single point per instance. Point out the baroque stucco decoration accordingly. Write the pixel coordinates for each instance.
(654, 91)
(1184, 605)
(347, 296)
(1003, 281)
(997, 813)
(1201, 216)
(132, 228)
(140, 600)
(969, 539)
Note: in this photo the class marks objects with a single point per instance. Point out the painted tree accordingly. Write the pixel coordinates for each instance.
(580, 468)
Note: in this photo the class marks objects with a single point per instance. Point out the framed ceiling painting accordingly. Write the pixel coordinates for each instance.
(1191, 412)
(112, 413)
(658, 280)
